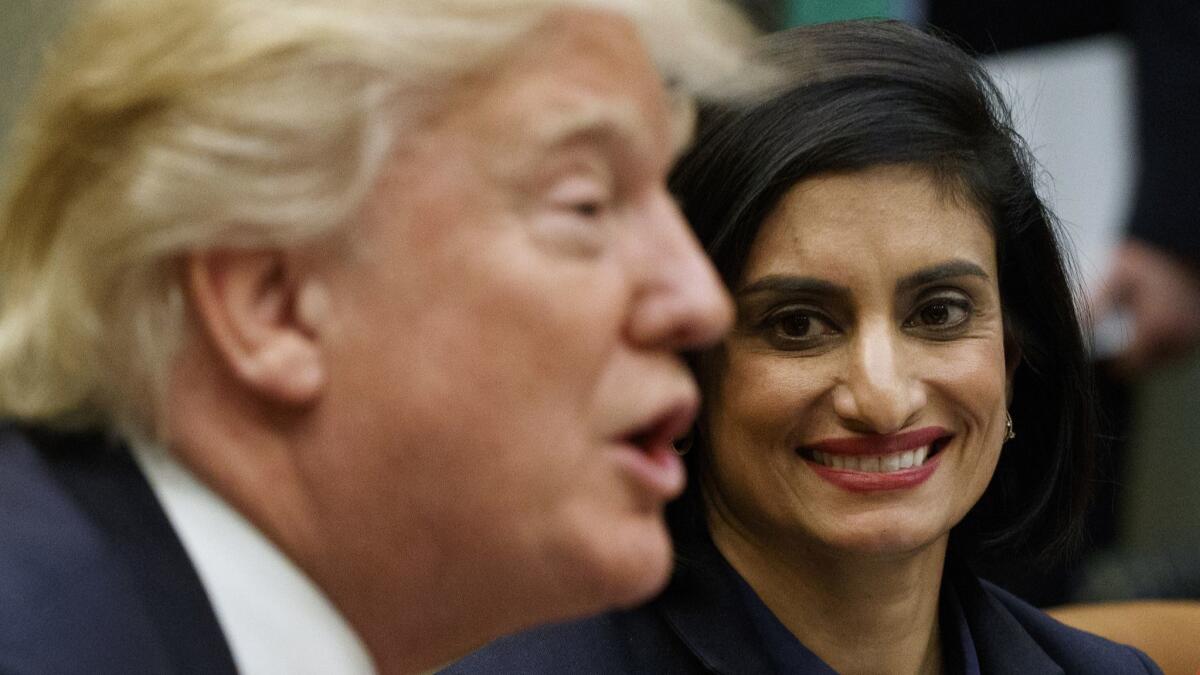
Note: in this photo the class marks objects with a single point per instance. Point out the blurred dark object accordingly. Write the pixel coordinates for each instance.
(988, 26)
(1171, 572)
(768, 15)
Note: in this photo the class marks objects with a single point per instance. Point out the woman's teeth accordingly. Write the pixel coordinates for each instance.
(874, 463)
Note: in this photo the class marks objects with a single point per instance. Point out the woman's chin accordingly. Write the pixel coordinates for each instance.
(888, 546)
(880, 541)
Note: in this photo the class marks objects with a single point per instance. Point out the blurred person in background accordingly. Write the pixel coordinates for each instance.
(344, 336)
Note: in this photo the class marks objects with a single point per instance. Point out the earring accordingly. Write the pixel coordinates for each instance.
(1009, 434)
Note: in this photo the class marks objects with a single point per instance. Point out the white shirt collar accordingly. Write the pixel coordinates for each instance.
(274, 617)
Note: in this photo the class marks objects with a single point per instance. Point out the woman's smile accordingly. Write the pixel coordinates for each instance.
(871, 463)
(877, 462)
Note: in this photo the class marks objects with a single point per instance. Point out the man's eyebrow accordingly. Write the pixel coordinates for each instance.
(784, 284)
(603, 119)
(611, 123)
(935, 273)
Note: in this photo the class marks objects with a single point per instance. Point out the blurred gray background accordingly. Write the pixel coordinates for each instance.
(26, 28)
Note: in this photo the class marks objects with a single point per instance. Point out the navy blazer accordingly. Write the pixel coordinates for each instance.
(702, 624)
(93, 578)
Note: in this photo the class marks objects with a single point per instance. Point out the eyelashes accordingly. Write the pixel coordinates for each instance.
(801, 327)
(797, 327)
(581, 196)
(943, 314)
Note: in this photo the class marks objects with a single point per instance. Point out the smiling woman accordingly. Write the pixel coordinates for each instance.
(903, 307)
(866, 378)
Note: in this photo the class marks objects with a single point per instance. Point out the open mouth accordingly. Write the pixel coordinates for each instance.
(662, 430)
(881, 463)
(644, 439)
(647, 455)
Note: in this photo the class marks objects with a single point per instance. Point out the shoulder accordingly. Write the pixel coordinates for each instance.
(61, 590)
(45, 535)
(1074, 650)
(90, 575)
(631, 641)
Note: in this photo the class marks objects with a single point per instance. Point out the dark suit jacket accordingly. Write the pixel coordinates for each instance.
(92, 577)
(702, 624)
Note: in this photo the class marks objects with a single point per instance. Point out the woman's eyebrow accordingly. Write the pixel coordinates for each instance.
(934, 273)
(785, 284)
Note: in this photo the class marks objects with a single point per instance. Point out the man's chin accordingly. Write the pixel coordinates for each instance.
(631, 572)
(600, 567)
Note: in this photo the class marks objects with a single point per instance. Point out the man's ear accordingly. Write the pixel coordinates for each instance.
(246, 303)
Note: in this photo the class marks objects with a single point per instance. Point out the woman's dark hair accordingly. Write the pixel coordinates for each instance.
(862, 94)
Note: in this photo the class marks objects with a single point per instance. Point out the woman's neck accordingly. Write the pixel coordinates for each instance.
(859, 614)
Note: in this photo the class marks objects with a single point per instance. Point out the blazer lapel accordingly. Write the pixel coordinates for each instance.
(1002, 644)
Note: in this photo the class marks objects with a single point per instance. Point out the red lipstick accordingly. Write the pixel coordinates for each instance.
(855, 480)
(879, 444)
(867, 481)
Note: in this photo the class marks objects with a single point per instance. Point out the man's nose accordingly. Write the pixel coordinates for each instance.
(681, 303)
(878, 391)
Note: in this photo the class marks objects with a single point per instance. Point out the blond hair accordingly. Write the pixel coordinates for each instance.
(163, 126)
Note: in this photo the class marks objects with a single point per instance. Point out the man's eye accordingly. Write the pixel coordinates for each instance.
(581, 196)
(588, 209)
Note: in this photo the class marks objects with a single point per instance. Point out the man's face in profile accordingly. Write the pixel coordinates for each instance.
(510, 331)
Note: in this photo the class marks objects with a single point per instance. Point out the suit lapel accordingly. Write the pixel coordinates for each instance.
(112, 493)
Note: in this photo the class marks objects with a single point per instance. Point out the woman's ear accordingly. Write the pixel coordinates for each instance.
(247, 304)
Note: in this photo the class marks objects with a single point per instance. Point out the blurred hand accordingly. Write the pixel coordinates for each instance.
(1159, 294)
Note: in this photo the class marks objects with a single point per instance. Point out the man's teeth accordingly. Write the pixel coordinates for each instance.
(874, 463)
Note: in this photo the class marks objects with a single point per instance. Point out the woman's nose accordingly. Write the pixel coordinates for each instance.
(878, 392)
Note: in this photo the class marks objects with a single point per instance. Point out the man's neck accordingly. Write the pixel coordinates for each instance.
(273, 617)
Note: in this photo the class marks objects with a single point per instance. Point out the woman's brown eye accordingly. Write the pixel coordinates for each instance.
(935, 315)
(794, 325)
(941, 314)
